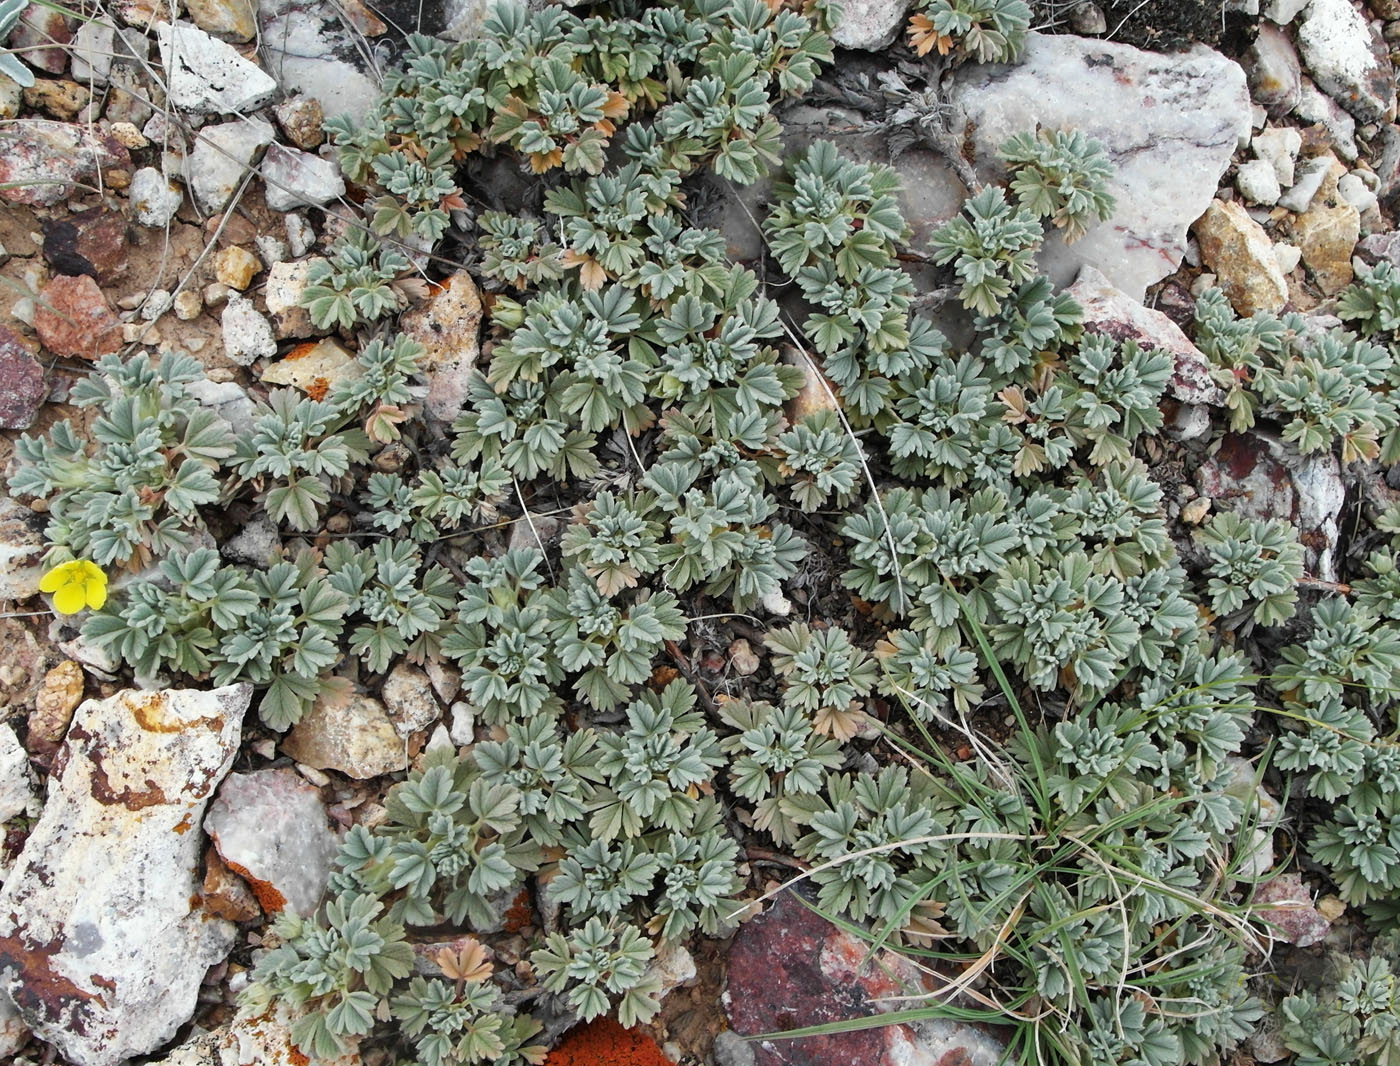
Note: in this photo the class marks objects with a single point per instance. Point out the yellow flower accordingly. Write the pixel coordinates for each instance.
(75, 585)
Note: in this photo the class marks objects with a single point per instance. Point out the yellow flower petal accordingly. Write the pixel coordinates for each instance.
(51, 581)
(97, 593)
(69, 599)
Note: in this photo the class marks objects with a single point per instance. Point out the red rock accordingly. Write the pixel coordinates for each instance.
(41, 161)
(72, 318)
(22, 384)
(790, 968)
(92, 242)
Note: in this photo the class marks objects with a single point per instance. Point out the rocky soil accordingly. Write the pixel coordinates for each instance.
(165, 183)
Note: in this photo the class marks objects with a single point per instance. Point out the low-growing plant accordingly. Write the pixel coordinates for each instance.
(1255, 566)
(133, 495)
(1062, 176)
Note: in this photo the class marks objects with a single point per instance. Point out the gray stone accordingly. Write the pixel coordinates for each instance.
(16, 782)
(221, 157)
(1311, 174)
(1257, 182)
(258, 543)
(731, 1049)
(1348, 59)
(871, 25)
(103, 944)
(270, 828)
(153, 197)
(1087, 19)
(352, 735)
(1275, 75)
(296, 179)
(1170, 125)
(208, 76)
(94, 48)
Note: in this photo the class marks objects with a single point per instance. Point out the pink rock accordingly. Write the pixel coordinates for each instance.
(1297, 920)
(40, 37)
(1109, 310)
(22, 385)
(41, 161)
(72, 318)
(790, 968)
(270, 828)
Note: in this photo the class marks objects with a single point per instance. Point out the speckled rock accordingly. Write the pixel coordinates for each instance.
(261, 1038)
(59, 97)
(282, 292)
(1348, 59)
(1238, 250)
(352, 735)
(106, 967)
(73, 319)
(1108, 310)
(22, 547)
(42, 161)
(247, 333)
(208, 76)
(270, 828)
(1287, 904)
(448, 327)
(1258, 182)
(408, 697)
(22, 385)
(1170, 125)
(300, 118)
(790, 968)
(54, 705)
(236, 267)
(871, 25)
(318, 58)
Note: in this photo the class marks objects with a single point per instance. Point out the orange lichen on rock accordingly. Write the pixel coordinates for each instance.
(520, 914)
(602, 1042)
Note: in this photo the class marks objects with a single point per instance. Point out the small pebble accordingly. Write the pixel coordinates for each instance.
(236, 267)
(1287, 257)
(1194, 513)
(188, 305)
